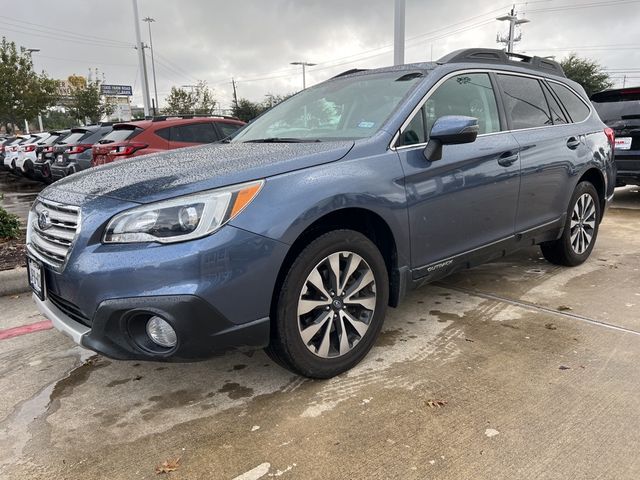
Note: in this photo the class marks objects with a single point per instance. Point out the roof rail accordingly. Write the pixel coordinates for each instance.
(491, 55)
(349, 72)
(162, 118)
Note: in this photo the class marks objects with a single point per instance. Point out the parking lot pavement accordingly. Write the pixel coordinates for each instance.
(18, 194)
(517, 369)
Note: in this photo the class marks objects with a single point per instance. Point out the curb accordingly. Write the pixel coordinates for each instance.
(13, 281)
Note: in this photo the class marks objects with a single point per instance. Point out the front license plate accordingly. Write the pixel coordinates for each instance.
(36, 277)
(59, 159)
(623, 143)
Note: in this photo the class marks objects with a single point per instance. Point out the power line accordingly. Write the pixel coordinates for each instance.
(62, 39)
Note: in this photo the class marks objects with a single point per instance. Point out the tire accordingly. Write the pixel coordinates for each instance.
(580, 231)
(340, 325)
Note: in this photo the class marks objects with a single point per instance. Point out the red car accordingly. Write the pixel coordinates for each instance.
(142, 137)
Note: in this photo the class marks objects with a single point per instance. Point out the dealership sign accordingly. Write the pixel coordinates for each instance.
(111, 90)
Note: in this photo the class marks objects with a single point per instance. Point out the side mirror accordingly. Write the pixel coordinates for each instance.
(450, 130)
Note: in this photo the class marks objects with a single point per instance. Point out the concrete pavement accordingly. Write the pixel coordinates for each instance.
(516, 369)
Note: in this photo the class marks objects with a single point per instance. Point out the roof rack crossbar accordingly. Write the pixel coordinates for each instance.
(161, 118)
(490, 55)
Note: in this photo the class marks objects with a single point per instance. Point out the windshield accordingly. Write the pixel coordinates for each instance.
(613, 107)
(342, 109)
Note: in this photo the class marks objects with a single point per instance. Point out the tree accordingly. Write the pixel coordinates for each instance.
(587, 73)
(86, 101)
(57, 120)
(246, 110)
(198, 99)
(23, 93)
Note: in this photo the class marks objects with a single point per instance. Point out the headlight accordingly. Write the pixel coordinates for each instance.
(182, 218)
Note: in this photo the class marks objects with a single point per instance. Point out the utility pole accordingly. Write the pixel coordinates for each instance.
(398, 32)
(304, 76)
(624, 81)
(31, 52)
(235, 93)
(141, 60)
(513, 20)
(149, 20)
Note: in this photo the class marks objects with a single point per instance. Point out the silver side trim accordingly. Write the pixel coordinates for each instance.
(60, 321)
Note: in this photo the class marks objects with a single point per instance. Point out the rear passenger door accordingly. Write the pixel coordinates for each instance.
(467, 199)
(192, 134)
(550, 147)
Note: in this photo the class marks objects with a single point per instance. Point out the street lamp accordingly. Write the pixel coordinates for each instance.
(153, 63)
(304, 66)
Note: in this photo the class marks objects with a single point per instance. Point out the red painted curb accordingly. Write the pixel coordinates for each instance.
(24, 329)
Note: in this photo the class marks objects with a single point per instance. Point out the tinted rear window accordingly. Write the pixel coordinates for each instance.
(577, 109)
(74, 137)
(119, 135)
(612, 106)
(524, 102)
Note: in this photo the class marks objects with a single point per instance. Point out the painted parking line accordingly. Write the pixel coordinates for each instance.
(24, 329)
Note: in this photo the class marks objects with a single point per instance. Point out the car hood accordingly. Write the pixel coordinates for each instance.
(164, 175)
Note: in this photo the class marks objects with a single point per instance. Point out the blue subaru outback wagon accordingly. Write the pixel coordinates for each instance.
(297, 234)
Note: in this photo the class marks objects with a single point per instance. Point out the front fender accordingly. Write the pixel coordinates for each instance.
(289, 203)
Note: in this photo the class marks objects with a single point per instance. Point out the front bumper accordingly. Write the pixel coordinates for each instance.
(216, 292)
(117, 329)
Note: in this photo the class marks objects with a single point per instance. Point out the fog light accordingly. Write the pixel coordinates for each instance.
(161, 333)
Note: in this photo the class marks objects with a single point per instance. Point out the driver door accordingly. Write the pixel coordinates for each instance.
(468, 199)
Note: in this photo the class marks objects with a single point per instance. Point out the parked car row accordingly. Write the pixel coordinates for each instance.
(53, 155)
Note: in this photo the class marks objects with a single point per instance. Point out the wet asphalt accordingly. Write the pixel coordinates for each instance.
(17, 194)
(517, 369)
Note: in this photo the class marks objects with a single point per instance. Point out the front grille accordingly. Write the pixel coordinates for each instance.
(69, 309)
(51, 231)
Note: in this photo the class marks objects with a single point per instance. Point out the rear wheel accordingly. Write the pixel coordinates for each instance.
(331, 305)
(580, 231)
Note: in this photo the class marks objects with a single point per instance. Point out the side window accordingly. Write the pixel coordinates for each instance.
(469, 94)
(194, 133)
(164, 133)
(577, 109)
(414, 133)
(228, 129)
(556, 112)
(524, 102)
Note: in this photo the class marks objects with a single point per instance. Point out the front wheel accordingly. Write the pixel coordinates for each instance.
(580, 231)
(331, 305)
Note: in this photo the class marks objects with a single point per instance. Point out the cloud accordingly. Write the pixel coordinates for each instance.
(254, 41)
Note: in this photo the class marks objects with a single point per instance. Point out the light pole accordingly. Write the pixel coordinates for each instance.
(141, 60)
(304, 73)
(513, 20)
(398, 32)
(153, 63)
(31, 51)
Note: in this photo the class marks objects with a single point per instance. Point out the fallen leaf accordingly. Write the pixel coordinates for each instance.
(468, 340)
(564, 308)
(168, 466)
(564, 367)
(435, 403)
(550, 326)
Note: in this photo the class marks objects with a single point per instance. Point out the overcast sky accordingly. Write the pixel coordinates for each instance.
(255, 40)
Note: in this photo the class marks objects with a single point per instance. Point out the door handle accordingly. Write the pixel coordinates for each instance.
(508, 158)
(573, 143)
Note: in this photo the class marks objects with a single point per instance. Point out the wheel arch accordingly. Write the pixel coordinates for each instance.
(596, 178)
(362, 220)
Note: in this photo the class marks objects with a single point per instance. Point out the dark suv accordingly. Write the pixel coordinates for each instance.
(620, 109)
(162, 133)
(298, 233)
(74, 154)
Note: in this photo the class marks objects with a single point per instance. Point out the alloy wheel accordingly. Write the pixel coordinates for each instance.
(336, 304)
(583, 223)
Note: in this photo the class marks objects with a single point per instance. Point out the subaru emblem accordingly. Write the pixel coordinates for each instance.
(44, 221)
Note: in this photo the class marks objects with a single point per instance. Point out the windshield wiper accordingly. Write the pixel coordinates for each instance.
(284, 140)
